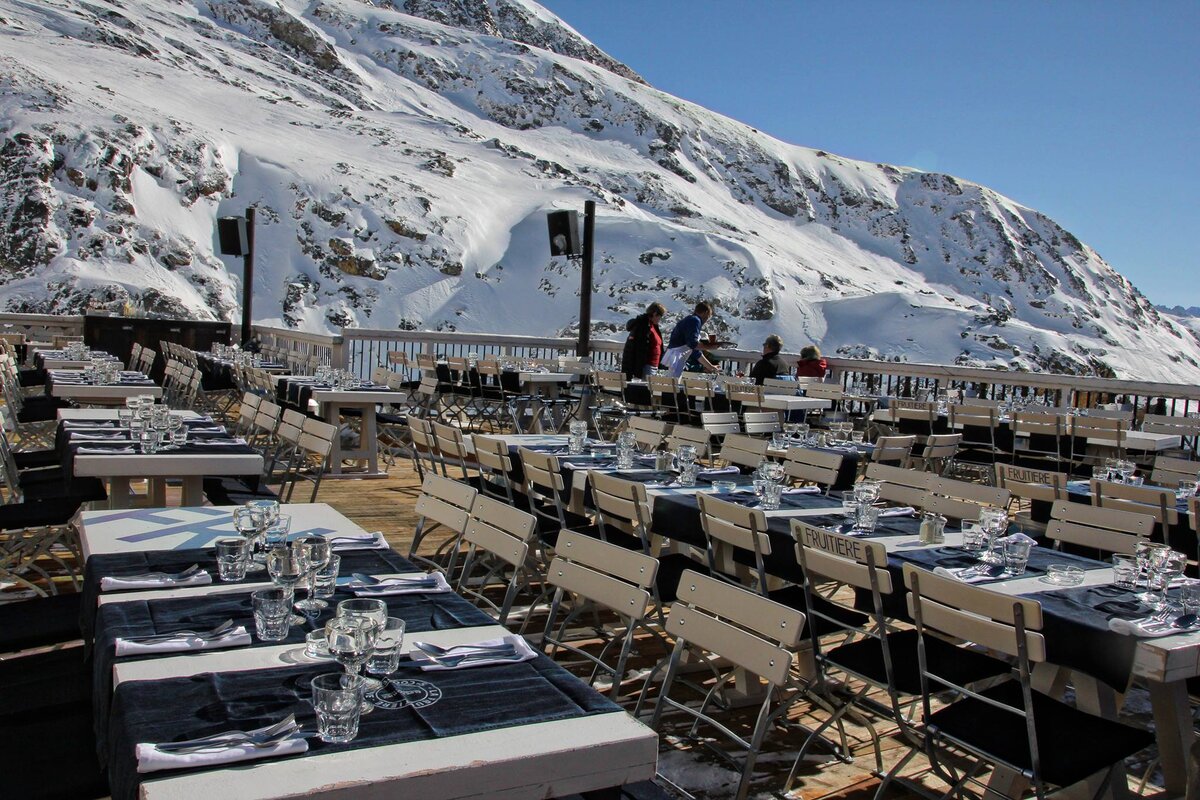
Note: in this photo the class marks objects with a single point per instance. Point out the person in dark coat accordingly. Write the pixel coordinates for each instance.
(771, 365)
(644, 345)
(811, 364)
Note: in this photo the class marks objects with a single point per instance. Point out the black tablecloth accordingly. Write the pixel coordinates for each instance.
(428, 705)
(420, 612)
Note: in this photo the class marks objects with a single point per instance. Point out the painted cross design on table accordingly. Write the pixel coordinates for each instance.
(211, 524)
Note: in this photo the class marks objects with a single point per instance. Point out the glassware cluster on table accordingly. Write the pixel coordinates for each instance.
(337, 378)
(1118, 470)
(237, 355)
(799, 434)
(152, 427)
(102, 372)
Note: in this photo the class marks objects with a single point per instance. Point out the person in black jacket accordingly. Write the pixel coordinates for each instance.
(771, 365)
(644, 345)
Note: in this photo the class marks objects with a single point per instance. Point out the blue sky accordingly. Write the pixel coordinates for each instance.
(1086, 111)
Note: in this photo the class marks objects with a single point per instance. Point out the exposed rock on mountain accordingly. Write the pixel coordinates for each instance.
(401, 156)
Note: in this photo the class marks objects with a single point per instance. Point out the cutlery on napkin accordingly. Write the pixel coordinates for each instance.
(476, 654)
(901, 511)
(282, 738)
(1147, 627)
(710, 473)
(412, 584)
(154, 580)
(370, 541)
(106, 451)
(965, 574)
(183, 641)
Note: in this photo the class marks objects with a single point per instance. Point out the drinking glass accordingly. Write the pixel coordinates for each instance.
(326, 577)
(124, 414)
(272, 613)
(1169, 568)
(1016, 556)
(1125, 571)
(577, 437)
(771, 471)
(248, 522)
(1150, 556)
(269, 513)
(314, 553)
(779, 441)
(350, 640)
(385, 656)
(277, 532)
(373, 612)
(286, 568)
(179, 437)
(772, 495)
(994, 522)
(866, 518)
(148, 440)
(686, 455)
(231, 559)
(867, 491)
(849, 510)
(975, 538)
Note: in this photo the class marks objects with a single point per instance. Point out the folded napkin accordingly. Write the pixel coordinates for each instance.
(106, 451)
(710, 473)
(803, 490)
(205, 429)
(523, 653)
(1147, 627)
(964, 574)
(899, 511)
(98, 436)
(366, 541)
(88, 423)
(238, 637)
(151, 759)
(109, 584)
(218, 442)
(415, 584)
(591, 464)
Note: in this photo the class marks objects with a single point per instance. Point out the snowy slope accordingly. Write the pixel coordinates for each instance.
(401, 157)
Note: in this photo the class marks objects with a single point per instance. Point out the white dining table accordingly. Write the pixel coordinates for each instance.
(108, 393)
(332, 402)
(183, 528)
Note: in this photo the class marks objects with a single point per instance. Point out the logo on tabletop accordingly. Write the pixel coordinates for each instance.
(405, 693)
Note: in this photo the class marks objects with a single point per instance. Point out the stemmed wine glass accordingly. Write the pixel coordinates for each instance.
(269, 514)
(1170, 567)
(286, 567)
(248, 522)
(994, 522)
(374, 612)
(350, 640)
(1150, 558)
(314, 554)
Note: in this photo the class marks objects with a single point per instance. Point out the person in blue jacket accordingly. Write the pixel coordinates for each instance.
(688, 344)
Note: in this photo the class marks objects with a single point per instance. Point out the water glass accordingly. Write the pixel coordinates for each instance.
(148, 440)
(350, 640)
(179, 437)
(760, 486)
(1125, 571)
(1016, 556)
(866, 518)
(1189, 597)
(975, 538)
(277, 532)
(687, 474)
(337, 699)
(577, 437)
(314, 553)
(724, 487)
(316, 645)
(232, 556)
(849, 509)
(327, 577)
(779, 441)
(385, 657)
(272, 613)
(772, 495)
(857, 437)
(124, 414)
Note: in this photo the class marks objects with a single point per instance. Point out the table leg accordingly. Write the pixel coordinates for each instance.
(333, 415)
(193, 491)
(156, 492)
(1173, 728)
(118, 493)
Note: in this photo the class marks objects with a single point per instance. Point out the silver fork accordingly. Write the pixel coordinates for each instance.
(174, 576)
(219, 632)
(435, 651)
(454, 661)
(261, 737)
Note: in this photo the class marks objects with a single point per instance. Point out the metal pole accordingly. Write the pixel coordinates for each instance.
(585, 281)
(248, 278)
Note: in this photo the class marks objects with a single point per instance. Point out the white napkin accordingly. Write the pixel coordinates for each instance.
(106, 451)
(1138, 627)
(901, 511)
(216, 442)
(205, 429)
(151, 759)
(94, 424)
(109, 584)
(98, 436)
(238, 637)
(803, 490)
(964, 574)
(355, 541)
(403, 585)
(523, 653)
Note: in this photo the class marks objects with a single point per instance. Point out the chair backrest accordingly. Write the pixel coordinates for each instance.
(687, 434)
(501, 530)
(622, 507)
(759, 423)
(663, 389)
(544, 485)
(941, 447)
(747, 394)
(444, 501)
(748, 630)
(1159, 503)
(743, 450)
(648, 433)
(900, 476)
(700, 388)
(728, 527)
(451, 445)
(976, 493)
(893, 450)
(824, 391)
(495, 466)
(610, 382)
(616, 578)
(828, 556)
(719, 423)
(1031, 483)
(1170, 471)
(812, 466)
(1106, 529)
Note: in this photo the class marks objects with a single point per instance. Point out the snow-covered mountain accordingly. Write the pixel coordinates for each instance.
(401, 156)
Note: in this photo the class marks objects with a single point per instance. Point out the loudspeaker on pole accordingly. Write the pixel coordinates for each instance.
(231, 231)
(564, 233)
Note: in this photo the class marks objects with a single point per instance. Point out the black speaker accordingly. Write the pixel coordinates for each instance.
(564, 233)
(232, 233)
